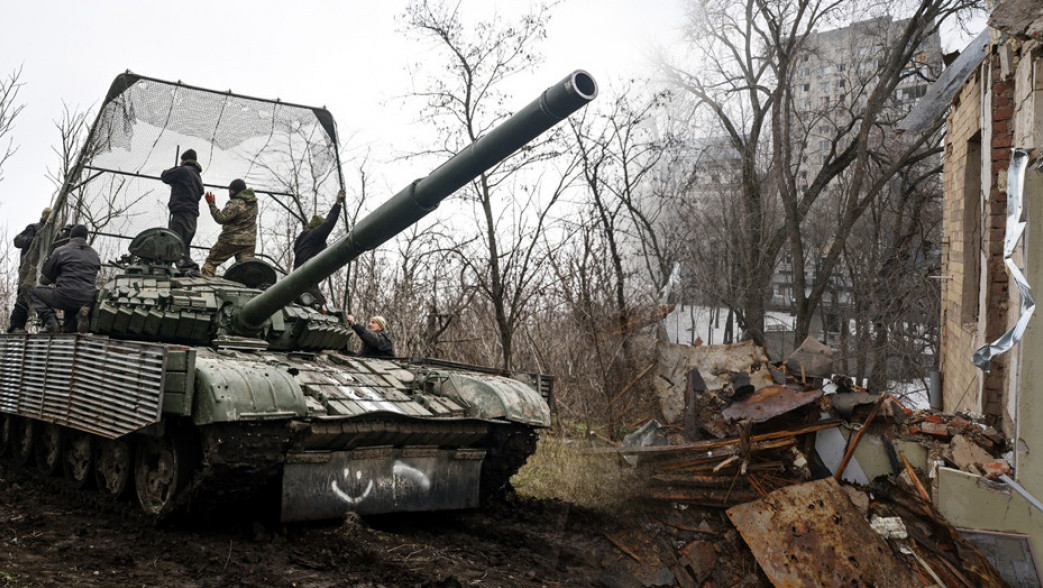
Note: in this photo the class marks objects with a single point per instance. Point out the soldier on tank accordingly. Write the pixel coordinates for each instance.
(375, 340)
(68, 279)
(238, 222)
(312, 241)
(186, 188)
(20, 312)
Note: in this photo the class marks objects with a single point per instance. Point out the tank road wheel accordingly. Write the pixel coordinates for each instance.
(162, 466)
(23, 433)
(49, 449)
(6, 429)
(113, 467)
(78, 459)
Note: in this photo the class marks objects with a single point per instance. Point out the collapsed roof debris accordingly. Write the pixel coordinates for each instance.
(826, 482)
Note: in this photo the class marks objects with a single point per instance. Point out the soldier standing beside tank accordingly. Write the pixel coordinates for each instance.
(186, 188)
(73, 270)
(312, 241)
(20, 312)
(239, 226)
(374, 337)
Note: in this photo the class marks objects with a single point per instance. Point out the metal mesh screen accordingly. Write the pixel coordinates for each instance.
(287, 153)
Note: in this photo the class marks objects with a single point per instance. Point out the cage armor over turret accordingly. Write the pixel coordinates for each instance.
(195, 392)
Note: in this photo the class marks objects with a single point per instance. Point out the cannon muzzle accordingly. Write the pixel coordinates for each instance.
(423, 196)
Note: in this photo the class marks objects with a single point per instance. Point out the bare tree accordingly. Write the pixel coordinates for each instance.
(9, 111)
(749, 88)
(610, 283)
(465, 100)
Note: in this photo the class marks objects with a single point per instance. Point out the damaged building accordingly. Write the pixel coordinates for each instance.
(991, 267)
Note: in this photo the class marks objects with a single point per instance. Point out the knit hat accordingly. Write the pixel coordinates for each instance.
(78, 231)
(46, 214)
(315, 221)
(237, 186)
(188, 155)
(380, 321)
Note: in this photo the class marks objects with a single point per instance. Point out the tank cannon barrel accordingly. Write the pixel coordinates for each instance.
(423, 196)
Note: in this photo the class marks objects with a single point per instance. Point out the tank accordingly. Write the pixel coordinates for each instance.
(198, 393)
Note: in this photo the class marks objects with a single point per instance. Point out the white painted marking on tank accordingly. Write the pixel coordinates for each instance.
(408, 472)
(352, 500)
(370, 406)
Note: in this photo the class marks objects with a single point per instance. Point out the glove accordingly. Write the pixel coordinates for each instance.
(340, 196)
(210, 198)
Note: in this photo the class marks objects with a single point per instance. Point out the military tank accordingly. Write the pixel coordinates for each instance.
(196, 392)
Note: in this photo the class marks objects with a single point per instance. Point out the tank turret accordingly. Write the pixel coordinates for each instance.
(193, 392)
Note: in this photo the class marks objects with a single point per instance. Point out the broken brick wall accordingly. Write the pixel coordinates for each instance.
(961, 329)
(998, 108)
(997, 291)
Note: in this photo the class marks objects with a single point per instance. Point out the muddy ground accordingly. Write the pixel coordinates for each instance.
(51, 537)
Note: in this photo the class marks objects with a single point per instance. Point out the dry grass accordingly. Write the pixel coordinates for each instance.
(569, 470)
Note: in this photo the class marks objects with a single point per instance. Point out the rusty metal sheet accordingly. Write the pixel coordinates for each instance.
(811, 535)
(716, 364)
(770, 402)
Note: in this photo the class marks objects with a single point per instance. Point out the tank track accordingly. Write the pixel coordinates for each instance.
(240, 466)
(237, 468)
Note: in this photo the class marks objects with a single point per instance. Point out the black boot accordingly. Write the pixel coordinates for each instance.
(83, 319)
(51, 325)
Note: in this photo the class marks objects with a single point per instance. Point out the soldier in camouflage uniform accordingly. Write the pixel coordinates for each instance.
(239, 226)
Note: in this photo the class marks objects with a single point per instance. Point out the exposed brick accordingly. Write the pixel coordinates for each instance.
(1005, 113)
(996, 468)
(1002, 141)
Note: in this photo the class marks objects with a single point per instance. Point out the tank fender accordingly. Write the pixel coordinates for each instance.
(230, 391)
(496, 397)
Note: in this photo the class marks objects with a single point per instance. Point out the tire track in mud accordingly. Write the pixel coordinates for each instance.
(50, 537)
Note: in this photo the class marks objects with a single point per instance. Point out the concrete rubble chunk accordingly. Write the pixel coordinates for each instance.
(717, 365)
(695, 562)
(889, 527)
(966, 455)
(813, 357)
(1021, 18)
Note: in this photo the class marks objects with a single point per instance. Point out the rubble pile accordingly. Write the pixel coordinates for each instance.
(827, 483)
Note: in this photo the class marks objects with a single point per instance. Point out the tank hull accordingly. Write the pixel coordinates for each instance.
(329, 433)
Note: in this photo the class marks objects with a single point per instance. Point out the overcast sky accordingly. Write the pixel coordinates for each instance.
(348, 56)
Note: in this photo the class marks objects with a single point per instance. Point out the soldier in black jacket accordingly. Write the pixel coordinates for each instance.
(312, 241)
(20, 312)
(186, 188)
(73, 270)
(375, 340)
